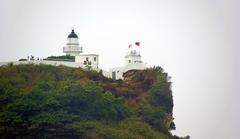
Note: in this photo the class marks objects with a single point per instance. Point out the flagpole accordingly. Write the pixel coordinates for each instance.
(139, 50)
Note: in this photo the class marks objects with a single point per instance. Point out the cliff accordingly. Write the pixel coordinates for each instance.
(43, 101)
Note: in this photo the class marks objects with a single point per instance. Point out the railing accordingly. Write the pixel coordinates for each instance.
(65, 49)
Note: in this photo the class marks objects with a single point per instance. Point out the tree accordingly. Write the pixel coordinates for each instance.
(161, 94)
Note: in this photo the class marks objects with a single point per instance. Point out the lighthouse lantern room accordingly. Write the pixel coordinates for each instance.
(72, 47)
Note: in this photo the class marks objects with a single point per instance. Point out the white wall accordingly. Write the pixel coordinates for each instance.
(106, 73)
(118, 72)
(138, 66)
(55, 63)
(92, 58)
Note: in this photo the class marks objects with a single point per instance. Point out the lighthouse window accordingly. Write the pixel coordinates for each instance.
(95, 59)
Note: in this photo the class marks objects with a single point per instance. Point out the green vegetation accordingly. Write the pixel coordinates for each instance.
(61, 58)
(43, 101)
(22, 59)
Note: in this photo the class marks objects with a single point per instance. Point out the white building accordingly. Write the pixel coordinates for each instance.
(88, 60)
(72, 48)
(132, 59)
(132, 62)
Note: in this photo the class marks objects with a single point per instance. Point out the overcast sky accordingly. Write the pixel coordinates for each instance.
(195, 41)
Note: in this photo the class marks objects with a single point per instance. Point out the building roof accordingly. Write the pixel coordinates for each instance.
(72, 34)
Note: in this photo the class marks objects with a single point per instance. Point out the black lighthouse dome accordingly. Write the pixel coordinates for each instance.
(72, 34)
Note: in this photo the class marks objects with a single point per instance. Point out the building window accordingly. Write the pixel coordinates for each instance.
(85, 62)
(129, 61)
(86, 58)
(95, 59)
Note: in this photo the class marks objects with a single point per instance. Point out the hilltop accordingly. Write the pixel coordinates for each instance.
(44, 101)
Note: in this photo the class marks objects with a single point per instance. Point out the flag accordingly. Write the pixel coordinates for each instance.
(137, 43)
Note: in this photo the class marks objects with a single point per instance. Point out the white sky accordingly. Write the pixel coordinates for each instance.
(195, 41)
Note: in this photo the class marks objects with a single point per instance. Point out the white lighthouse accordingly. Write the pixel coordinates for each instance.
(132, 56)
(132, 62)
(72, 47)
